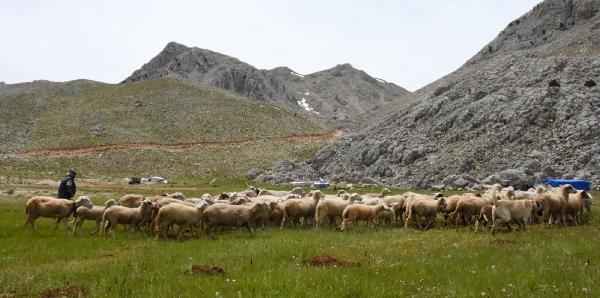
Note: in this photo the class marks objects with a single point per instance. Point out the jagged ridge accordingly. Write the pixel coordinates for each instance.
(336, 96)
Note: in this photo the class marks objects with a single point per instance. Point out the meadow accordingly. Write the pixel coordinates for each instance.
(384, 262)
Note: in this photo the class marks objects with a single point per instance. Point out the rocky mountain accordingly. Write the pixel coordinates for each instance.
(335, 96)
(526, 107)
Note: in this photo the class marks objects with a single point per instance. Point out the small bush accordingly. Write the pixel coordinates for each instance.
(590, 83)
(553, 83)
(10, 192)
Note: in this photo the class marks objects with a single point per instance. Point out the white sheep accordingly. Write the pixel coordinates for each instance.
(231, 216)
(95, 213)
(576, 205)
(61, 209)
(296, 208)
(556, 203)
(356, 212)
(179, 214)
(330, 209)
(424, 207)
(507, 211)
(135, 217)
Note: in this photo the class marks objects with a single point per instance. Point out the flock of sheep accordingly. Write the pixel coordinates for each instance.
(256, 208)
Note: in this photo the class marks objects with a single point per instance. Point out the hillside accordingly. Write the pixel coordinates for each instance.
(526, 107)
(145, 127)
(334, 96)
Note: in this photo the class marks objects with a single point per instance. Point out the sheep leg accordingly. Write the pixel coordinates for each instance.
(494, 225)
(433, 222)
(56, 224)
(418, 218)
(469, 225)
(180, 232)
(508, 226)
(249, 227)
(283, 221)
(75, 226)
(371, 223)
(562, 219)
(97, 228)
(524, 225)
(30, 221)
(141, 227)
(457, 217)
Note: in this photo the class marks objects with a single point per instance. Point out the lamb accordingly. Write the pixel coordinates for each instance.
(332, 209)
(575, 206)
(231, 215)
(505, 211)
(95, 213)
(296, 208)
(557, 202)
(182, 215)
(135, 217)
(356, 212)
(424, 207)
(61, 209)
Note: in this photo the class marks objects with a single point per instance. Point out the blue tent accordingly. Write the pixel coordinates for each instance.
(577, 184)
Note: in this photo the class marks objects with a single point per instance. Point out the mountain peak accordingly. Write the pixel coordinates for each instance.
(546, 29)
(335, 96)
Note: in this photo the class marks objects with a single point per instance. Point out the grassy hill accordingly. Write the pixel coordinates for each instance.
(87, 114)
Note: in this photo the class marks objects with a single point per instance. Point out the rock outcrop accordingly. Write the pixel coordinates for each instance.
(526, 107)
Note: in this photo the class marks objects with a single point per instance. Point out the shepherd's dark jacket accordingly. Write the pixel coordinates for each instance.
(67, 188)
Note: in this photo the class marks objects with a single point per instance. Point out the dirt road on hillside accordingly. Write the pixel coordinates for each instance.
(80, 151)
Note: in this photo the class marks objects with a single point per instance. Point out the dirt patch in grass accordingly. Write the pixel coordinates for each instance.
(205, 269)
(70, 291)
(107, 254)
(329, 261)
(10, 294)
(503, 242)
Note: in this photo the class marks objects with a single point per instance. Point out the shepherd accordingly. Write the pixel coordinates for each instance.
(67, 187)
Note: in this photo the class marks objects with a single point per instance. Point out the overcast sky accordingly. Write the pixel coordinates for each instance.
(408, 42)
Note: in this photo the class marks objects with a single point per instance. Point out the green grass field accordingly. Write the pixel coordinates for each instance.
(387, 262)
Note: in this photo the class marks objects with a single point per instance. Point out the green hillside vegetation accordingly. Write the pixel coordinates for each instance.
(85, 114)
(163, 111)
(229, 162)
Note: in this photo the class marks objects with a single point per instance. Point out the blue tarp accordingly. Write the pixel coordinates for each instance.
(577, 184)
